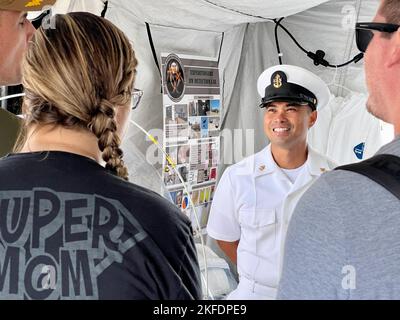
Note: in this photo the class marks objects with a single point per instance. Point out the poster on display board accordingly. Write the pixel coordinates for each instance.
(192, 118)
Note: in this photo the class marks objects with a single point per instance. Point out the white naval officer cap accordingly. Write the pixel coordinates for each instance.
(292, 83)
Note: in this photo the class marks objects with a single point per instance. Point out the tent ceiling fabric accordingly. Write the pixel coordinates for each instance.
(64, 6)
(210, 15)
(194, 27)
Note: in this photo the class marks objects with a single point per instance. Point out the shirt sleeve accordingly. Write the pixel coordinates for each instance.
(314, 265)
(223, 222)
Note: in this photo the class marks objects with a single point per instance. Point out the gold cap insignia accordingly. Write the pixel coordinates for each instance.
(277, 81)
(34, 3)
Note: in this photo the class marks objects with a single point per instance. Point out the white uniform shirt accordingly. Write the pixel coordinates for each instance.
(254, 201)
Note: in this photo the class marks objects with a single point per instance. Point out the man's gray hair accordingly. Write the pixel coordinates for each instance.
(390, 9)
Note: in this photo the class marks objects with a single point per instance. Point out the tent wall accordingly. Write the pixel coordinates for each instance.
(196, 28)
(248, 48)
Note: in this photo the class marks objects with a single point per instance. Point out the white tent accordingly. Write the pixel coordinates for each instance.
(241, 35)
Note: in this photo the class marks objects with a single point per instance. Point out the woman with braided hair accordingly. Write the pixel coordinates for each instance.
(71, 226)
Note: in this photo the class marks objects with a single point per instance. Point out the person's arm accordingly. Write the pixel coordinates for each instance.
(314, 255)
(230, 249)
(223, 225)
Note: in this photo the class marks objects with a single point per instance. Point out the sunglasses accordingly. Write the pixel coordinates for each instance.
(136, 97)
(364, 32)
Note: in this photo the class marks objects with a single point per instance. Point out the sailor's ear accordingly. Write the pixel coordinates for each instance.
(313, 118)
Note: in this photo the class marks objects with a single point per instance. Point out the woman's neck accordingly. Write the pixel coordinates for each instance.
(57, 138)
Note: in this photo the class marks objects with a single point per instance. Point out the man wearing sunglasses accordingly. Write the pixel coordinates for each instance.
(15, 32)
(344, 241)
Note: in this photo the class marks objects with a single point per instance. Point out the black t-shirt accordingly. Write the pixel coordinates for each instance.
(69, 229)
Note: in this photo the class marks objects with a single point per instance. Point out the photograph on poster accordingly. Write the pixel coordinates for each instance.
(213, 173)
(215, 107)
(202, 196)
(212, 192)
(204, 127)
(207, 194)
(205, 175)
(169, 115)
(183, 170)
(193, 109)
(173, 196)
(201, 176)
(203, 107)
(213, 123)
(176, 114)
(195, 197)
(181, 113)
(194, 125)
(170, 177)
(183, 154)
(204, 215)
(172, 151)
(177, 197)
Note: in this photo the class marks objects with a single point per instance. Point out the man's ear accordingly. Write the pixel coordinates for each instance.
(394, 58)
(312, 119)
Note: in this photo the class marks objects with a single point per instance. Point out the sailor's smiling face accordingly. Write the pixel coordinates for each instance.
(287, 123)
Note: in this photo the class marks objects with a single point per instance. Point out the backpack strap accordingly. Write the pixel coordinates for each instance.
(384, 169)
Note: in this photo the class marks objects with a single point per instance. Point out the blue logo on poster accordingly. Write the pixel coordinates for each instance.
(359, 150)
(204, 123)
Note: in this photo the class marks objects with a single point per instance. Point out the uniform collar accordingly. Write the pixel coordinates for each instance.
(264, 163)
(316, 163)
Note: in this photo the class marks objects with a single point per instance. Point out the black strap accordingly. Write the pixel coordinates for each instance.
(152, 47)
(103, 13)
(384, 169)
(154, 51)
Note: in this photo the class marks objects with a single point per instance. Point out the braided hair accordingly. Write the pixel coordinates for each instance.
(76, 75)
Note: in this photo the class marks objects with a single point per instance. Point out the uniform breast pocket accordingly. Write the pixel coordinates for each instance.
(258, 229)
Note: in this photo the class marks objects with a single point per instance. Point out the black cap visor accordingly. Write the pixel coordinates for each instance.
(289, 92)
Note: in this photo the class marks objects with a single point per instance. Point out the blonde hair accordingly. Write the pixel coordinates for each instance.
(76, 75)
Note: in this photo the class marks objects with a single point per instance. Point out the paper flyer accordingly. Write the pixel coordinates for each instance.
(192, 117)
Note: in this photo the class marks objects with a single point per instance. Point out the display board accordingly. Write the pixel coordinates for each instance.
(192, 117)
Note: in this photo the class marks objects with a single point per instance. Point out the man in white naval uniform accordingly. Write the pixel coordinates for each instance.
(255, 198)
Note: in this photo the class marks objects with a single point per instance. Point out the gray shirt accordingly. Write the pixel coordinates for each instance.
(343, 240)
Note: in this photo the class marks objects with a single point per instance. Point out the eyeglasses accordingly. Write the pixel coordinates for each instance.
(136, 97)
(364, 32)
